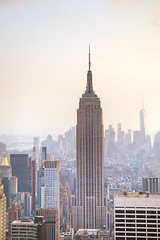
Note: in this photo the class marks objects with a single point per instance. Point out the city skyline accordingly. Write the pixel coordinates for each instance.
(43, 63)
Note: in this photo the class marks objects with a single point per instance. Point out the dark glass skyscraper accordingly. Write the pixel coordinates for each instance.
(22, 169)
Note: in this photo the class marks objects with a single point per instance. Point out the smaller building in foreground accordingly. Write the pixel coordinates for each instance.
(85, 234)
(51, 217)
(33, 230)
(137, 216)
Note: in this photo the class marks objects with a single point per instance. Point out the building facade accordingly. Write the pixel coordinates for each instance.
(34, 177)
(2, 212)
(41, 188)
(22, 169)
(51, 184)
(12, 216)
(151, 184)
(6, 174)
(65, 201)
(31, 230)
(137, 216)
(89, 211)
(51, 217)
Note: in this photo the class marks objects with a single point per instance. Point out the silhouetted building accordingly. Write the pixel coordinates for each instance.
(110, 147)
(69, 142)
(157, 143)
(137, 138)
(90, 210)
(49, 138)
(128, 137)
(22, 169)
(120, 134)
(143, 126)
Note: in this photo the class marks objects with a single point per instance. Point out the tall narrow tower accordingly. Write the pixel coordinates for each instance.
(143, 125)
(34, 177)
(90, 204)
(2, 212)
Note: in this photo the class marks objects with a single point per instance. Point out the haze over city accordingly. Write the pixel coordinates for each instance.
(44, 61)
(80, 122)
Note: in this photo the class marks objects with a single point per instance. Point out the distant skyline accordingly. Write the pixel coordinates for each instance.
(44, 62)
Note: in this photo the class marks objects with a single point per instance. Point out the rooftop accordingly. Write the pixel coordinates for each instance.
(138, 195)
(87, 231)
(24, 222)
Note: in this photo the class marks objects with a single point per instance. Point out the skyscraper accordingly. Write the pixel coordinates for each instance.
(2, 212)
(6, 173)
(65, 202)
(6, 168)
(90, 209)
(51, 184)
(143, 125)
(34, 178)
(110, 147)
(22, 169)
(50, 199)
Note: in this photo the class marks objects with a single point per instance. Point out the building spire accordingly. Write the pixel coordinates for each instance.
(5, 161)
(89, 59)
(142, 104)
(89, 75)
(89, 88)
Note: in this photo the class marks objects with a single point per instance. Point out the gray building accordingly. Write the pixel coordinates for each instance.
(151, 184)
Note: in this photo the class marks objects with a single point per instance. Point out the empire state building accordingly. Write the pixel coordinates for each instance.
(90, 208)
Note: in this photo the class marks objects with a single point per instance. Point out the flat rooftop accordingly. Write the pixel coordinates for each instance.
(137, 195)
(19, 222)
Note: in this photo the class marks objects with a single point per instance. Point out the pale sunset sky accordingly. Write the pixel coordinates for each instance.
(44, 62)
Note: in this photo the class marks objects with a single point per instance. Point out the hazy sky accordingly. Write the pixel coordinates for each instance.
(44, 62)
